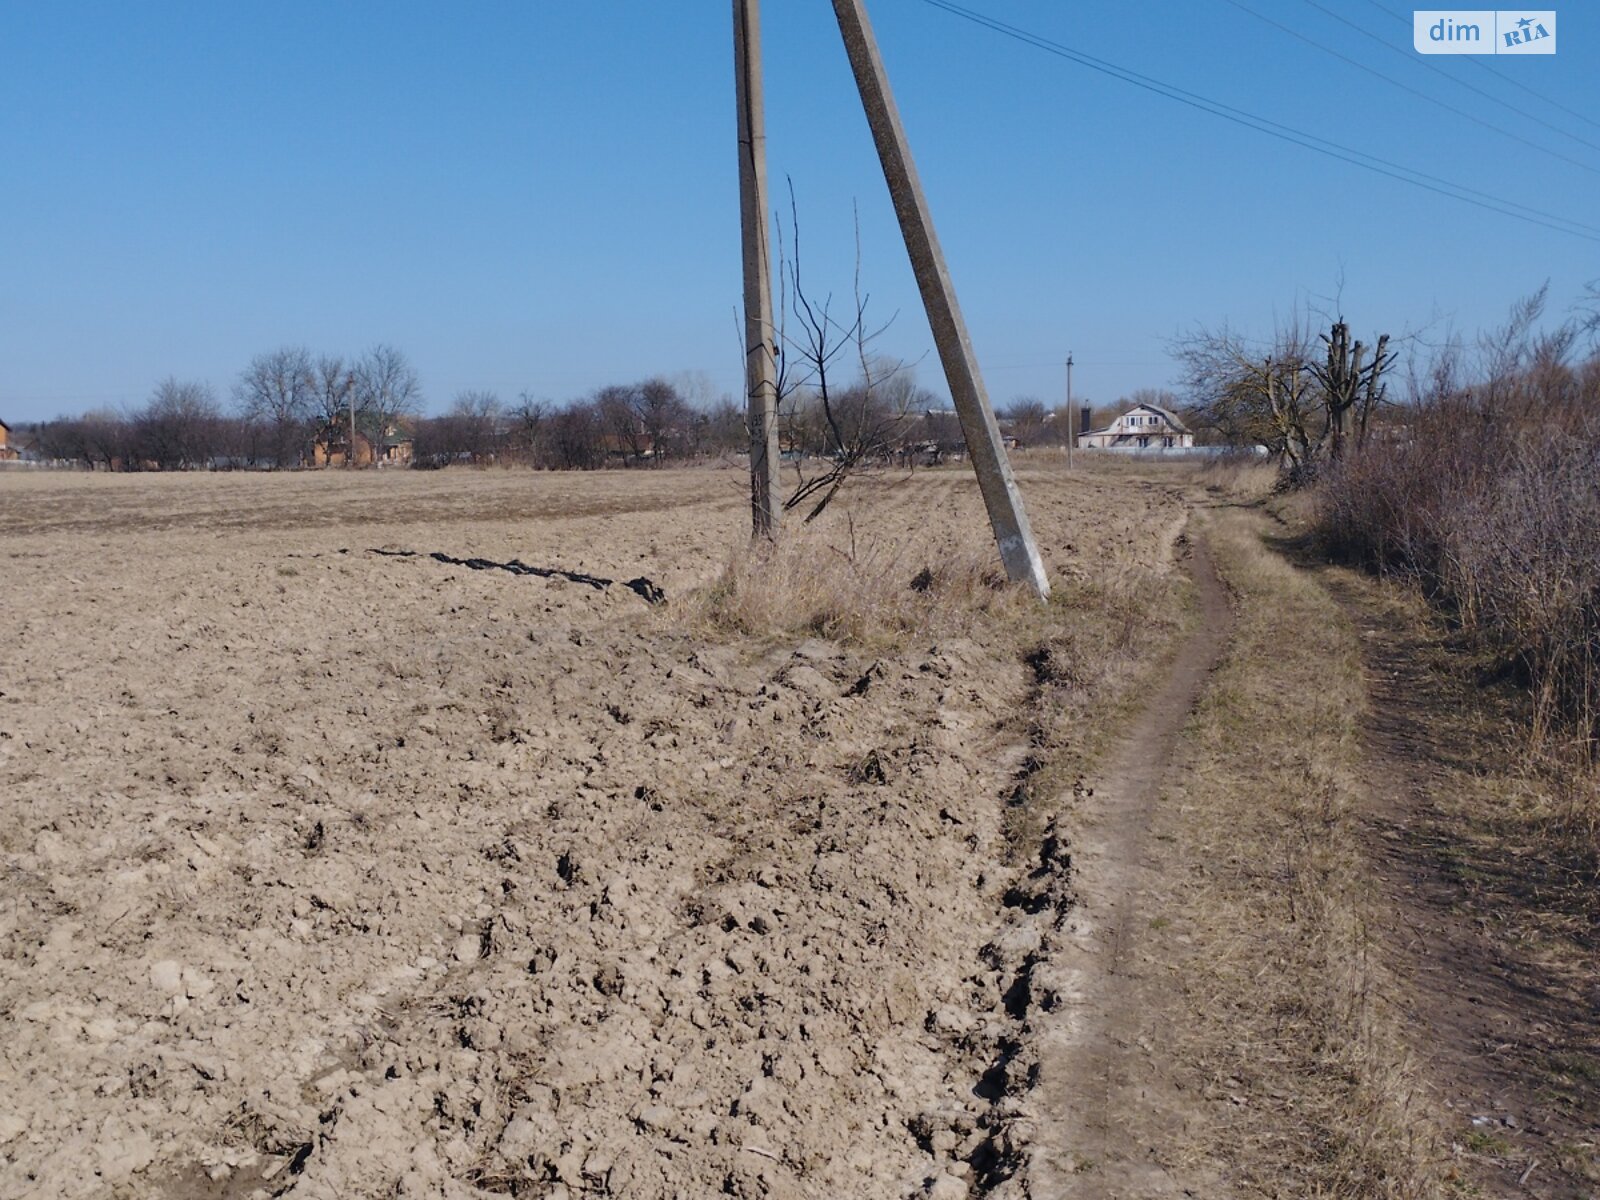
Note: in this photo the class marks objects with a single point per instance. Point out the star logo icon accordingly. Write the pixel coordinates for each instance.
(1525, 22)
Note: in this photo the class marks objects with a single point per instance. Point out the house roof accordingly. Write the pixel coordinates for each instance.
(1171, 417)
(337, 432)
(3, 425)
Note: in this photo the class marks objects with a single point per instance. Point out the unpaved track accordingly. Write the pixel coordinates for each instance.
(1106, 1105)
(1492, 1019)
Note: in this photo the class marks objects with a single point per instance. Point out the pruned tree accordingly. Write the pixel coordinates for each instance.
(1351, 388)
(1301, 409)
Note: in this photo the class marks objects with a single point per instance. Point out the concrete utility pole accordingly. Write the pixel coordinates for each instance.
(1071, 420)
(760, 338)
(1000, 496)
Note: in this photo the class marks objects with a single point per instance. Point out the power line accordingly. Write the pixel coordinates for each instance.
(1424, 61)
(1406, 87)
(1287, 133)
(1500, 75)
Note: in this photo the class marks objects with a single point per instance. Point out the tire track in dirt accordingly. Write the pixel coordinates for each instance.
(1492, 1020)
(1099, 1101)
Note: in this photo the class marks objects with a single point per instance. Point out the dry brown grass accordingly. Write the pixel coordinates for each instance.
(1290, 1009)
(1239, 476)
(867, 591)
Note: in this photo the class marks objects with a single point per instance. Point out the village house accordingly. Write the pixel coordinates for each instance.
(390, 446)
(8, 452)
(1143, 427)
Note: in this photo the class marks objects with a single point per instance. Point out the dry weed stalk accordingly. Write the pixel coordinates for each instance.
(854, 589)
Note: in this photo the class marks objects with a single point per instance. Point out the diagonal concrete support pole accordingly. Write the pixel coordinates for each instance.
(760, 338)
(1000, 496)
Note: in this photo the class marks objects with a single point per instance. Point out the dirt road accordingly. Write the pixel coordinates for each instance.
(1301, 948)
(1105, 1104)
(1499, 991)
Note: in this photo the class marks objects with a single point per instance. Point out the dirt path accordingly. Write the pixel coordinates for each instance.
(1107, 1101)
(1507, 1032)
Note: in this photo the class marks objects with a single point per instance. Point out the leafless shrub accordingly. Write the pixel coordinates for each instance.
(1489, 494)
(831, 432)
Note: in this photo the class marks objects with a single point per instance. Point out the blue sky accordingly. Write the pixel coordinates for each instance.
(543, 196)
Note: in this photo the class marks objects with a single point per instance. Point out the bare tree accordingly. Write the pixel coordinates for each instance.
(335, 384)
(279, 390)
(178, 429)
(720, 429)
(481, 418)
(99, 438)
(574, 438)
(619, 415)
(1027, 417)
(386, 388)
(663, 415)
(527, 425)
(1284, 398)
(852, 425)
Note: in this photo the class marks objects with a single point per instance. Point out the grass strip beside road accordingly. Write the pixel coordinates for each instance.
(1290, 1033)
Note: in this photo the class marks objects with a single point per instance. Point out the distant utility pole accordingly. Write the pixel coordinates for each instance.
(1000, 496)
(760, 338)
(1071, 420)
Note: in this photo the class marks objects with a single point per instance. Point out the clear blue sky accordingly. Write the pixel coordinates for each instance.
(543, 196)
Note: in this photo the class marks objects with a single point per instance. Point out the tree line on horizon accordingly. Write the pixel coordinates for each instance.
(287, 399)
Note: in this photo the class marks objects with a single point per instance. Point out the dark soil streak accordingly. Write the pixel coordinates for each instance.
(644, 588)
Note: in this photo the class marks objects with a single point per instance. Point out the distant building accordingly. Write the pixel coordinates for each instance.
(8, 452)
(1143, 427)
(389, 446)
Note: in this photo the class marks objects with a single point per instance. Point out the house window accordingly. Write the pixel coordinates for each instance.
(1168, 441)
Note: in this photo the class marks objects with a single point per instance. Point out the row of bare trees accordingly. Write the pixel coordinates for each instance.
(290, 397)
(281, 402)
(651, 422)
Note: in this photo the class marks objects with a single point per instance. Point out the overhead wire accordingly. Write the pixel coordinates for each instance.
(1406, 87)
(1288, 133)
(1427, 63)
(1477, 61)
